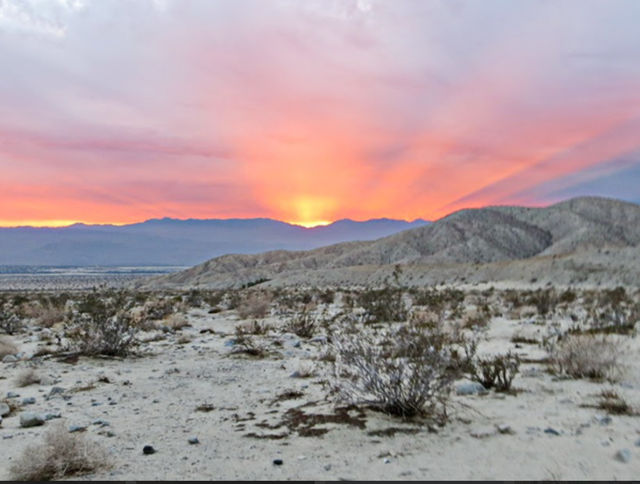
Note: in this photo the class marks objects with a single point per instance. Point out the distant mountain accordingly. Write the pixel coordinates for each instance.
(588, 237)
(170, 241)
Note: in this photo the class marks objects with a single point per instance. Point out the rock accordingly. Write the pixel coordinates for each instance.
(101, 423)
(12, 395)
(327, 467)
(603, 419)
(277, 462)
(31, 419)
(29, 401)
(9, 359)
(551, 431)
(55, 391)
(230, 342)
(77, 428)
(387, 460)
(623, 455)
(296, 374)
(194, 440)
(4, 409)
(637, 444)
(505, 429)
(483, 432)
(471, 388)
(148, 450)
(51, 416)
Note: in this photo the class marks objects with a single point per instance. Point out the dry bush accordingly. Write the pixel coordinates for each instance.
(244, 344)
(255, 327)
(60, 455)
(176, 321)
(7, 347)
(28, 377)
(10, 323)
(255, 306)
(304, 369)
(614, 404)
(102, 326)
(403, 372)
(302, 325)
(586, 356)
(495, 372)
(50, 315)
(383, 305)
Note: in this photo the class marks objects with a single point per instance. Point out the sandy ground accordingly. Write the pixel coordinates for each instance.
(152, 400)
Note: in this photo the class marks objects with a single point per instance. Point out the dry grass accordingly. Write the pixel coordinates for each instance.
(50, 316)
(60, 455)
(255, 306)
(28, 377)
(7, 347)
(176, 321)
(587, 356)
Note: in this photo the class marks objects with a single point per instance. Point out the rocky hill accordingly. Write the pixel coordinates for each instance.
(494, 243)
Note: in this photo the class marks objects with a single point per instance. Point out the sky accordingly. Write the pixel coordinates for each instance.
(309, 111)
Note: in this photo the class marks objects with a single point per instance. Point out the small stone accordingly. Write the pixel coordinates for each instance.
(387, 460)
(51, 416)
(101, 423)
(505, 429)
(194, 440)
(637, 444)
(483, 432)
(551, 431)
(55, 391)
(623, 455)
(12, 395)
(77, 428)
(230, 342)
(327, 467)
(295, 374)
(603, 419)
(148, 450)
(277, 462)
(471, 388)
(29, 401)
(4, 409)
(9, 359)
(30, 419)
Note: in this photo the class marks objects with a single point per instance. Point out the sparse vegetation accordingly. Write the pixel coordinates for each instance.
(60, 455)
(586, 356)
(404, 372)
(495, 372)
(302, 325)
(28, 377)
(254, 306)
(102, 325)
(7, 347)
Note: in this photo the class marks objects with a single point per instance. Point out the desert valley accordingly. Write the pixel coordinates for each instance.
(498, 343)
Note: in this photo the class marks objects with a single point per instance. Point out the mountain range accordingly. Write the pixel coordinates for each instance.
(583, 240)
(177, 242)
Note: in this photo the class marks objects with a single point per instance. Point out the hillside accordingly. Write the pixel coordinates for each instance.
(561, 241)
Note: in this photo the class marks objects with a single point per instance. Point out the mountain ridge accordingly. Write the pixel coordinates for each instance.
(494, 235)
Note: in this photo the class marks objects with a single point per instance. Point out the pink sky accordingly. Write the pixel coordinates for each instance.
(307, 111)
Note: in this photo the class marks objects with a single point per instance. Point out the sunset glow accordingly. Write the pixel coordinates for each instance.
(313, 110)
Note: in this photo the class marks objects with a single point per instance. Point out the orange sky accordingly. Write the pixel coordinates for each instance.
(311, 111)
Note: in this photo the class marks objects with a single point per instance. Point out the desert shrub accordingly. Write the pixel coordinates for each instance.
(403, 372)
(102, 325)
(586, 356)
(254, 306)
(61, 454)
(255, 328)
(28, 377)
(439, 301)
(243, 343)
(611, 402)
(496, 372)
(302, 325)
(10, 323)
(383, 305)
(327, 296)
(7, 347)
(176, 321)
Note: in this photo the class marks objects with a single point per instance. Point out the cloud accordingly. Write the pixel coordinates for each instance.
(310, 109)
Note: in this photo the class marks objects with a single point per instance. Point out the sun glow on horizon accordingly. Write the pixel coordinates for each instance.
(312, 223)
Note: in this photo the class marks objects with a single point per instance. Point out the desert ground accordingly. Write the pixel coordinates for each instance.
(270, 383)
